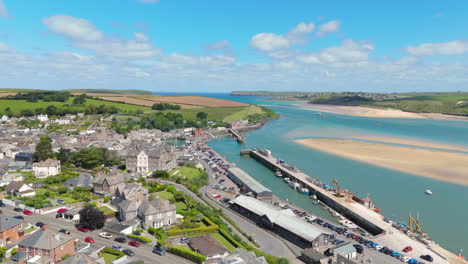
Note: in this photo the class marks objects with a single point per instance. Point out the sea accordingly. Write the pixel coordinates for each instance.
(443, 215)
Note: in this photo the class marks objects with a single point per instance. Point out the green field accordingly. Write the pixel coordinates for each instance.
(244, 113)
(106, 210)
(187, 172)
(163, 195)
(17, 105)
(223, 241)
(108, 258)
(110, 91)
(214, 113)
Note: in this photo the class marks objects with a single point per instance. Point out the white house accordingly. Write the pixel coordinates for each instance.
(4, 118)
(43, 118)
(17, 188)
(46, 168)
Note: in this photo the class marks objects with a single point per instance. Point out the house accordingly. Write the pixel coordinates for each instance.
(128, 199)
(208, 246)
(6, 178)
(84, 180)
(43, 118)
(46, 168)
(157, 213)
(283, 222)
(241, 256)
(196, 132)
(23, 156)
(81, 258)
(312, 256)
(4, 118)
(105, 184)
(46, 244)
(9, 229)
(346, 250)
(20, 189)
(158, 157)
(238, 124)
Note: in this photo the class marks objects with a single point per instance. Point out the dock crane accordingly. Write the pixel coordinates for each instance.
(412, 221)
(339, 191)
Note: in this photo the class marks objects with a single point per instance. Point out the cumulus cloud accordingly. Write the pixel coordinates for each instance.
(269, 42)
(72, 27)
(349, 52)
(222, 46)
(329, 27)
(84, 35)
(300, 33)
(3, 11)
(456, 47)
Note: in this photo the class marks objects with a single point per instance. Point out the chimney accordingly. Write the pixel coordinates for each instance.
(44, 227)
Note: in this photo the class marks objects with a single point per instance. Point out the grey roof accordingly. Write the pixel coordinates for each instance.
(313, 254)
(80, 258)
(156, 206)
(7, 222)
(45, 239)
(111, 180)
(83, 180)
(128, 206)
(13, 186)
(154, 151)
(248, 180)
(241, 256)
(115, 227)
(207, 245)
(284, 218)
(344, 249)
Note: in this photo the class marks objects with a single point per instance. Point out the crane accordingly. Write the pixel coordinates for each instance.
(339, 192)
(412, 221)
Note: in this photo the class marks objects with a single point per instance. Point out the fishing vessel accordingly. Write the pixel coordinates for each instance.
(303, 190)
(278, 173)
(428, 192)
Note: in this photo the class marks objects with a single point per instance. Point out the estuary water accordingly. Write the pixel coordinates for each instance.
(444, 215)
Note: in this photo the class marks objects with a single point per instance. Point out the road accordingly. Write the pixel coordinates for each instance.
(142, 253)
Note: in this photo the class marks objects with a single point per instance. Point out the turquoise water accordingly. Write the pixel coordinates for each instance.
(444, 215)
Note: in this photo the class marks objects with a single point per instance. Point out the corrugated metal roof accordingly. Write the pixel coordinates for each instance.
(248, 180)
(283, 218)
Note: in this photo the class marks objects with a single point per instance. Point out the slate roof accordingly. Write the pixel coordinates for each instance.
(7, 222)
(13, 186)
(45, 239)
(153, 151)
(111, 180)
(207, 245)
(156, 206)
(128, 206)
(81, 181)
(80, 258)
(47, 163)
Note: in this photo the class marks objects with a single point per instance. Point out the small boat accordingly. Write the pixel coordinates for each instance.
(319, 114)
(314, 197)
(429, 192)
(294, 185)
(303, 190)
(316, 202)
(287, 180)
(278, 173)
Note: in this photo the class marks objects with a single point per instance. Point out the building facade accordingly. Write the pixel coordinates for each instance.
(158, 157)
(46, 168)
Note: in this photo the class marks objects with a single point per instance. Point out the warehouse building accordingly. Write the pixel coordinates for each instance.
(283, 222)
(249, 184)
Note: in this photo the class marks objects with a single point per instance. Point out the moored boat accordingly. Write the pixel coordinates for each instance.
(278, 173)
(287, 180)
(429, 192)
(303, 190)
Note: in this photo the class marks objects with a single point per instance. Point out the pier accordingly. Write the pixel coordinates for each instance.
(236, 135)
(363, 216)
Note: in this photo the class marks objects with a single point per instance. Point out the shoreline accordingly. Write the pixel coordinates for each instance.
(363, 111)
(436, 164)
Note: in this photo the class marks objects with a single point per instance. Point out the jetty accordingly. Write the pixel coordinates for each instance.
(236, 135)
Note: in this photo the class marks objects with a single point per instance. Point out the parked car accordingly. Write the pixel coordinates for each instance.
(120, 239)
(18, 217)
(64, 231)
(407, 249)
(118, 247)
(128, 252)
(359, 248)
(89, 240)
(59, 216)
(184, 240)
(427, 258)
(216, 196)
(62, 210)
(158, 250)
(134, 243)
(82, 229)
(17, 209)
(60, 201)
(39, 224)
(105, 235)
(2, 204)
(137, 233)
(27, 212)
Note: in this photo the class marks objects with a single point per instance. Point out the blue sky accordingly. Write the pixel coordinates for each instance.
(224, 45)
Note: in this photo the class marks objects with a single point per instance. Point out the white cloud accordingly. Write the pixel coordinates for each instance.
(84, 35)
(329, 27)
(268, 42)
(349, 52)
(3, 11)
(222, 46)
(300, 33)
(72, 27)
(456, 47)
(4, 47)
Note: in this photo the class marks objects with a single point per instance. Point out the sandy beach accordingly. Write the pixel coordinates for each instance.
(441, 165)
(376, 112)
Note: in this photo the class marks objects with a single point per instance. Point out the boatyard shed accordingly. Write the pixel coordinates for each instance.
(246, 181)
(283, 222)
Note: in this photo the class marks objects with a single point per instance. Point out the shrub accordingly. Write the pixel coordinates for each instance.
(143, 239)
(14, 251)
(187, 254)
(113, 252)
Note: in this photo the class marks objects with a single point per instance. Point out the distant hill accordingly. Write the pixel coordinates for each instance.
(268, 93)
(110, 91)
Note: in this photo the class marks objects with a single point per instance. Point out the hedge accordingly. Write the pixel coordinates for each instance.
(113, 252)
(208, 229)
(230, 239)
(143, 239)
(187, 254)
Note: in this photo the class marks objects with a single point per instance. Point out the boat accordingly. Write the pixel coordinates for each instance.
(278, 173)
(316, 202)
(314, 197)
(429, 192)
(287, 180)
(348, 224)
(294, 185)
(303, 190)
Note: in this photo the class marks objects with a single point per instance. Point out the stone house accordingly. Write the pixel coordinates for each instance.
(158, 157)
(84, 180)
(106, 184)
(157, 213)
(46, 168)
(50, 246)
(128, 199)
(9, 229)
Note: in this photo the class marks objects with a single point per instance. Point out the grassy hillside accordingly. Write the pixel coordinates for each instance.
(110, 91)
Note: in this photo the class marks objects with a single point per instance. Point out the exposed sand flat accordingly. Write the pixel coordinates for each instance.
(376, 112)
(441, 165)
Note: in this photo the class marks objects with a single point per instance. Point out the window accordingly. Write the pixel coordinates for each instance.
(39, 251)
(169, 213)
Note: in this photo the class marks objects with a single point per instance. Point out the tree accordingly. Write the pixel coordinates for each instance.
(62, 155)
(92, 218)
(8, 112)
(202, 115)
(51, 110)
(79, 100)
(27, 112)
(161, 174)
(44, 149)
(2, 252)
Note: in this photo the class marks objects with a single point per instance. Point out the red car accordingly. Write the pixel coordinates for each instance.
(89, 240)
(407, 249)
(61, 210)
(82, 229)
(216, 196)
(134, 243)
(27, 212)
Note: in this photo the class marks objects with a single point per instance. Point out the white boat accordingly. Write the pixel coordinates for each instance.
(287, 180)
(314, 197)
(348, 224)
(294, 185)
(278, 173)
(303, 190)
(429, 192)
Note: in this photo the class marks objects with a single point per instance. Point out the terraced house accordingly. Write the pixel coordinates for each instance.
(160, 156)
(10, 229)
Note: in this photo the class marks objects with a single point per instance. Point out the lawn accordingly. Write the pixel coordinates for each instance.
(164, 195)
(244, 113)
(187, 172)
(28, 230)
(67, 200)
(108, 258)
(214, 113)
(180, 206)
(223, 241)
(106, 210)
